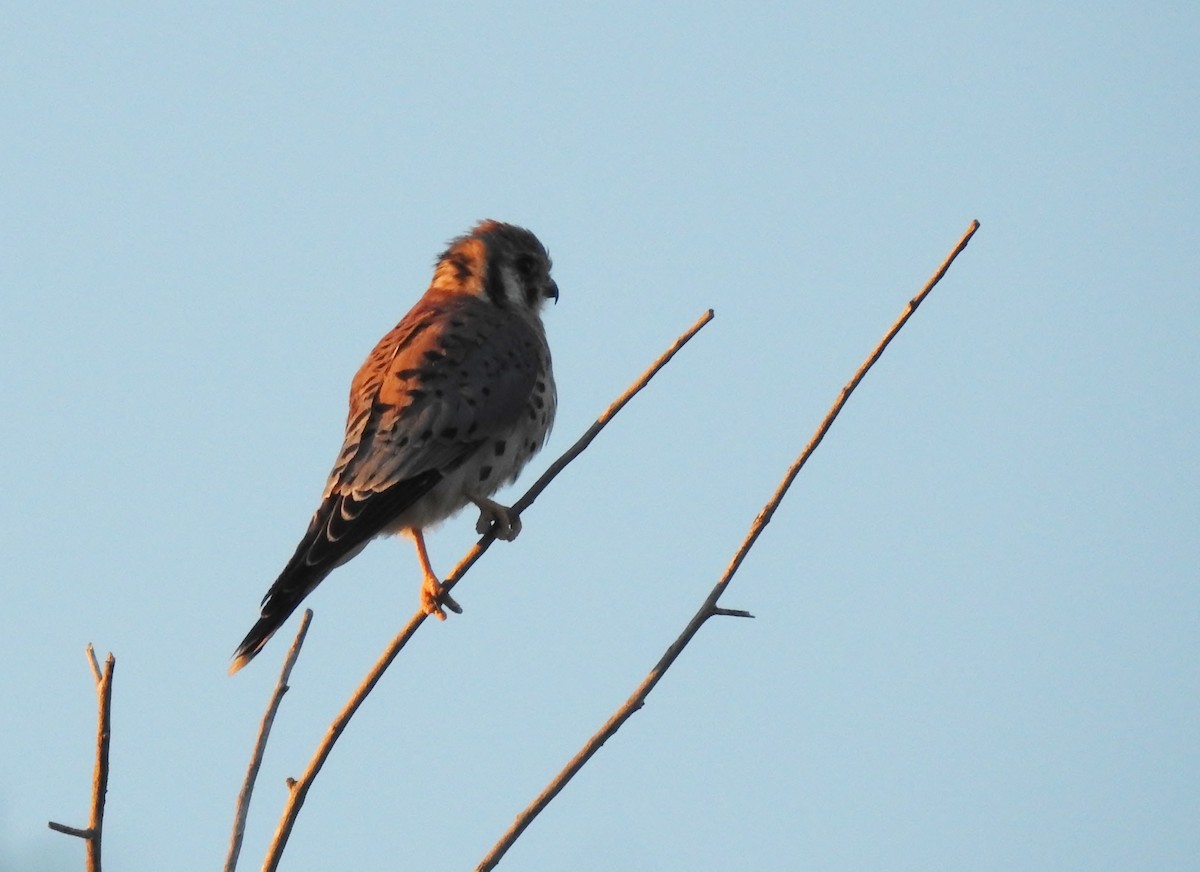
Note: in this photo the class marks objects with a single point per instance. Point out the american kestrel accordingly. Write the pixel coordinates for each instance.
(448, 407)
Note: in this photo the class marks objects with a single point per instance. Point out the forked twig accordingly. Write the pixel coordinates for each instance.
(260, 744)
(710, 607)
(298, 789)
(91, 834)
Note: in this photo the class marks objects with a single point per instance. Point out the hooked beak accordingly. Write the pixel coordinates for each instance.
(552, 291)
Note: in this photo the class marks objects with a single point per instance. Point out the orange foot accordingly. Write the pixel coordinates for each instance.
(434, 596)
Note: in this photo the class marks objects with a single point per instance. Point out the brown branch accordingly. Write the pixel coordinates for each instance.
(298, 789)
(91, 835)
(260, 744)
(710, 608)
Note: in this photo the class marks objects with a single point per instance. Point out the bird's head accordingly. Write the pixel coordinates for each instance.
(502, 263)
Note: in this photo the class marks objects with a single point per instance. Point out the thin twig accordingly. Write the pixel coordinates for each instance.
(260, 744)
(638, 698)
(92, 834)
(92, 662)
(70, 831)
(298, 789)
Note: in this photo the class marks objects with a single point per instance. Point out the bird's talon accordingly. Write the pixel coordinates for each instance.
(434, 596)
(430, 607)
(499, 520)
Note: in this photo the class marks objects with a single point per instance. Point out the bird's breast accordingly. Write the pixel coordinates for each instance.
(492, 463)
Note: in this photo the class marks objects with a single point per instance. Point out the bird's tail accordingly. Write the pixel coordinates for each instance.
(317, 555)
(296, 582)
(340, 528)
(285, 596)
(262, 630)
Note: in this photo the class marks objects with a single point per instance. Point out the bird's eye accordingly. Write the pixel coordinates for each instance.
(526, 265)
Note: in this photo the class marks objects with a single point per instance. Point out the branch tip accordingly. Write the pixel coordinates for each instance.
(93, 662)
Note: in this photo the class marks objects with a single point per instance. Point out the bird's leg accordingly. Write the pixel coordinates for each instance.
(501, 519)
(433, 595)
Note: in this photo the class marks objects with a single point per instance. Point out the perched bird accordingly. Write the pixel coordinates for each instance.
(448, 407)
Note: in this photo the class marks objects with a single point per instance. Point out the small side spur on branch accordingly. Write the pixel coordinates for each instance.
(710, 608)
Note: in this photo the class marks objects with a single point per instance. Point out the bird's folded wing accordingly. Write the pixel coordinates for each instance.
(454, 372)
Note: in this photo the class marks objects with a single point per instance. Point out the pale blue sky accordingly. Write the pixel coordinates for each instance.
(977, 611)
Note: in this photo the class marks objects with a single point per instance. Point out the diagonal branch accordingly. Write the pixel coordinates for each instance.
(91, 835)
(299, 788)
(709, 607)
(260, 744)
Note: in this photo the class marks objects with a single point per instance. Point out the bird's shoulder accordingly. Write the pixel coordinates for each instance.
(446, 341)
(454, 370)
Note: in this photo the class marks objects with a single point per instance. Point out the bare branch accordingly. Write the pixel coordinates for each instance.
(100, 773)
(91, 835)
(260, 744)
(619, 403)
(710, 607)
(298, 789)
